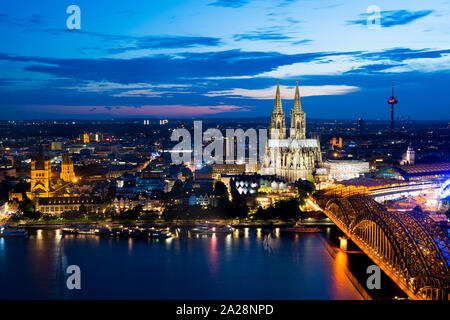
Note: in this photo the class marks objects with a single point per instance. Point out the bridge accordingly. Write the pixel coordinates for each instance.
(408, 246)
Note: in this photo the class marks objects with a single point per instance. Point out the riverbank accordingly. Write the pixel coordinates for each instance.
(56, 224)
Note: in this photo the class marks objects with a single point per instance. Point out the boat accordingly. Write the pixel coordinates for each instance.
(80, 229)
(87, 231)
(301, 229)
(161, 234)
(10, 231)
(212, 229)
(68, 230)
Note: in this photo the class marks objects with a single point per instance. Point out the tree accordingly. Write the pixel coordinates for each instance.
(71, 215)
(131, 214)
(187, 173)
(82, 210)
(304, 188)
(220, 189)
(288, 209)
(177, 189)
(26, 207)
(110, 194)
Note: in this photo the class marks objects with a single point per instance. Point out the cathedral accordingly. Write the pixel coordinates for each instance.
(289, 154)
(43, 183)
(41, 176)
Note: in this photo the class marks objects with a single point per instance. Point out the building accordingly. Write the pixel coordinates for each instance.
(339, 170)
(293, 157)
(59, 205)
(254, 184)
(229, 169)
(43, 183)
(41, 174)
(86, 138)
(67, 172)
(147, 203)
(336, 142)
(56, 146)
(409, 157)
(426, 171)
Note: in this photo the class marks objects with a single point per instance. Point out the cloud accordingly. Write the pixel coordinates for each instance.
(287, 92)
(394, 17)
(158, 68)
(302, 41)
(170, 69)
(402, 54)
(122, 43)
(106, 86)
(138, 111)
(261, 35)
(229, 3)
(166, 42)
(33, 21)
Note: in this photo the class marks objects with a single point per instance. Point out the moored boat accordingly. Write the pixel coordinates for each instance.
(212, 229)
(10, 231)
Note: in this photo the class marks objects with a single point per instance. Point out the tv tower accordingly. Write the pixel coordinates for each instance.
(392, 101)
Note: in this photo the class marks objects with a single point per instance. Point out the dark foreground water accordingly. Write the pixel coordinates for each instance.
(248, 264)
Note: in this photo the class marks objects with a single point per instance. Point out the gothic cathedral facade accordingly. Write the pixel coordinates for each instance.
(290, 157)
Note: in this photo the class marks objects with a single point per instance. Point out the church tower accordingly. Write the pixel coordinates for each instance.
(41, 173)
(277, 129)
(298, 124)
(67, 173)
(86, 138)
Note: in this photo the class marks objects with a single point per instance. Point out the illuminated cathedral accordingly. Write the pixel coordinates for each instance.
(289, 154)
(41, 176)
(43, 184)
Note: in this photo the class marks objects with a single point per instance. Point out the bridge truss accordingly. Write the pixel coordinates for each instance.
(409, 246)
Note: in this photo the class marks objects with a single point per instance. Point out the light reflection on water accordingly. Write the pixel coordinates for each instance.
(247, 264)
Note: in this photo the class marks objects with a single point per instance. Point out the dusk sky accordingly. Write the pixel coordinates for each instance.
(222, 58)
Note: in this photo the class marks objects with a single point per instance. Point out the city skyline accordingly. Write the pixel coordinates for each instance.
(184, 59)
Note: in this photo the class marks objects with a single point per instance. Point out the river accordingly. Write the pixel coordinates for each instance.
(248, 264)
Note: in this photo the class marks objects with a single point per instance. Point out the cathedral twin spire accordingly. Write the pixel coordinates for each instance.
(278, 122)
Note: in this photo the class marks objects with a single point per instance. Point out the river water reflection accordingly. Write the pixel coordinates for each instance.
(248, 264)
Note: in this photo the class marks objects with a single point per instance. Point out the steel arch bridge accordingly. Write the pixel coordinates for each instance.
(408, 246)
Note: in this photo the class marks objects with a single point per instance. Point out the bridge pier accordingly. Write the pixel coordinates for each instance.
(343, 243)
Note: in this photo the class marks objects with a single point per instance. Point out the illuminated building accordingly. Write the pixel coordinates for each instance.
(86, 138)
(229, 169)
(295, 157)
(426, 171)
(346, 169)
(67, 173)
(42, 185)
(58, 205)
(254, 184)
(409, 157)
(336, 142)
(41, 173)
(56, 146)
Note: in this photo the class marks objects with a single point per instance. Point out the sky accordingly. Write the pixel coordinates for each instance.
(223, 58)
